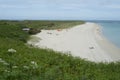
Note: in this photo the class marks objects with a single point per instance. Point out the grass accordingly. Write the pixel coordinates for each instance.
(29, 63)
(43, 24)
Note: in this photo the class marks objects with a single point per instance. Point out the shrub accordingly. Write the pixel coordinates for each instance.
(34, 31)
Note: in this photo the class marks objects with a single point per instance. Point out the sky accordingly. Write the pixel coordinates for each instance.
(60, 9)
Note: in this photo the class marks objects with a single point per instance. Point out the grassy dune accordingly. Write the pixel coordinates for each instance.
(29, 63)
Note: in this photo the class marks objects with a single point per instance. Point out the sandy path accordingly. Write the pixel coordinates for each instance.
(84, 41)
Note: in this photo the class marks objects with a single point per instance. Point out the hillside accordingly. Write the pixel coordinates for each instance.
(19, 61)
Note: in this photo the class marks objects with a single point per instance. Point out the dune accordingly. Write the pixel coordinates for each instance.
(85, 41)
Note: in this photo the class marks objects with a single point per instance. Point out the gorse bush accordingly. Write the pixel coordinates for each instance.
(19, 61)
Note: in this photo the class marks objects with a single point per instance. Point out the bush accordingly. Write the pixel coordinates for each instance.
(34, 31)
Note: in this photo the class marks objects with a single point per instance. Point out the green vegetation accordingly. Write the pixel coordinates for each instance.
(42, 24)
(24, 62)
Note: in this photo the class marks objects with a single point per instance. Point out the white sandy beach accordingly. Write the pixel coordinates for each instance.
(85, 41)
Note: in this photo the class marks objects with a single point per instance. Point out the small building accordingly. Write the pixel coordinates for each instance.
(26, 29)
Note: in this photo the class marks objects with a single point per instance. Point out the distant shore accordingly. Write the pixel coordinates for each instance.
(85, 41)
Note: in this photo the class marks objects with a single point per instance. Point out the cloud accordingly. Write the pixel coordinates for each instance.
(12, 6)
(113, 6)
(60, 8)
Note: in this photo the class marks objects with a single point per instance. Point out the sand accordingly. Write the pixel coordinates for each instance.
(85, 41)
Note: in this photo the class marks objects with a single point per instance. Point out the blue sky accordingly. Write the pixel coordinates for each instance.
(60, 9)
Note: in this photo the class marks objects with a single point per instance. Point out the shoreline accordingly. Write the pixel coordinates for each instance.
(85, 41)
(110, 48)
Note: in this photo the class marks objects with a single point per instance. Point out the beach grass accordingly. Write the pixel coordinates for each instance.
(19, 61)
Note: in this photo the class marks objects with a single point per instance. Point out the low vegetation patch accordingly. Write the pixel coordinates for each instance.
(21, 62)
(33, 31)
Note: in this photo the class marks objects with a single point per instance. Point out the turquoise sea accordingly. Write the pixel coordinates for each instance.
(111, 30)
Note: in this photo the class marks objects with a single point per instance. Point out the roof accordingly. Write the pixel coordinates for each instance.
(26, 29)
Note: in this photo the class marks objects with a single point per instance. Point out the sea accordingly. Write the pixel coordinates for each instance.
(111, 30)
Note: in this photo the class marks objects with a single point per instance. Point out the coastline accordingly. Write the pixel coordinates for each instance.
(110, 48)
(85, 41)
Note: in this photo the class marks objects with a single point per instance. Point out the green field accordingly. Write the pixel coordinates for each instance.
(28, 63)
